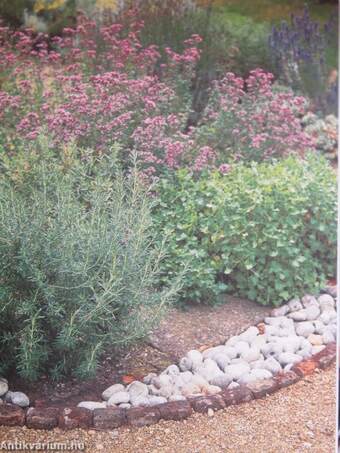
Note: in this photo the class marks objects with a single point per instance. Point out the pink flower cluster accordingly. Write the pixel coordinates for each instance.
(97, 86)
(251, 119)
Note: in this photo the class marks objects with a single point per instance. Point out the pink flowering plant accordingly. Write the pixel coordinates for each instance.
(97, 85)
(252, 120)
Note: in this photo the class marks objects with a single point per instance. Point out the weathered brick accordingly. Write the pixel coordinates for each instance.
(42, 418)
(286, 379)
(237, 395)
(305, 367)
(203, 403)
(11, 415)
(143, 416)
(175, 410)
(326, 357)
(75, 417)
(109, 418)
(263, 387)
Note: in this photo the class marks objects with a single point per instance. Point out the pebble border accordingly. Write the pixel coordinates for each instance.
(46, 418)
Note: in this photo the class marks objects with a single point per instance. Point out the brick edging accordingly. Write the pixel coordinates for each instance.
(111, 418)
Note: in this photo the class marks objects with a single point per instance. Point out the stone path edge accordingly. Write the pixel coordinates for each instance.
(66, 418)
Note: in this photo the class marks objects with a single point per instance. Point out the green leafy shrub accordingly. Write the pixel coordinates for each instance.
(266, 232)
(78, 263)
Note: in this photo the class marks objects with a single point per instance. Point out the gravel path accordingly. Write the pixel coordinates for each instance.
(300, 418)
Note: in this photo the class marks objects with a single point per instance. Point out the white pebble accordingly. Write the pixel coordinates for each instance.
(294, 305)
(106, 395)
(287, 357)
(118, 398)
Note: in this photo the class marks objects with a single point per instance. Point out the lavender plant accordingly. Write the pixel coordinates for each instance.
(300, 50)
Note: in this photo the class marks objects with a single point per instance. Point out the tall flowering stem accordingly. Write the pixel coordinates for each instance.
(299, 49)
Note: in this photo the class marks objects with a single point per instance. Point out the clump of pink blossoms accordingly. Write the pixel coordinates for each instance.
(98, 86)
(253, 120)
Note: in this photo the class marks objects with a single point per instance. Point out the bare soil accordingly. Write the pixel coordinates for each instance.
(197, 326)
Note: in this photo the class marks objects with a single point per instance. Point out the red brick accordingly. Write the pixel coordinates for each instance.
(11, 415)
(143, 416)
(326, 357)
(75, 417)
(262, 387)
(305, 368)
(42, 418)
(286, 379)
(175, 410)
(109, 418)
(203, 403)
(237, 395)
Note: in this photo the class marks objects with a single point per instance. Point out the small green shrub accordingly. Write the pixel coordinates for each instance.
(266, 232)
(78, 263)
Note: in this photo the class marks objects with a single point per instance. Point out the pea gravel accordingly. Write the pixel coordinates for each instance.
(300, 418)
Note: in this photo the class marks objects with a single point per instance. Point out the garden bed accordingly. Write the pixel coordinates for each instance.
(176, 335)
(242, 389)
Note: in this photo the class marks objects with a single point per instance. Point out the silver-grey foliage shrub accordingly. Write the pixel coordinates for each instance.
(78, 265)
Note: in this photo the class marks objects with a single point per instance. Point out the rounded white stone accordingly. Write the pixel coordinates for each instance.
(326, 301)
(257, 364)
(148, 378)
(3, 386)
(118, 398)
(172, 370)
(155, 400)
(300, 315)
(272, 365)
(91, 405)
(196, 359)
(327, 337)
(212, 390)
(231, 352)
(261, 373)
(115, 388)
(251, 355)
(221, 381)
(186, 376)
(185, 364)
(222, 360)
(292, 344)
(280, 311)
(312, 312)
(137, 391)
(247, 378)
(304, 328)
(235, 371)
(274, 321)
(259, 341)
(319, 327)
(294, 305)
(232, 341)
(17, 398)
(287, 357)
(125, 406)
(212, 352)
(241, 347)
(309, 300)
(250, 334)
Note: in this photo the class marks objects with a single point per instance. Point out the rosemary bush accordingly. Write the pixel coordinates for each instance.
(78, 263)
